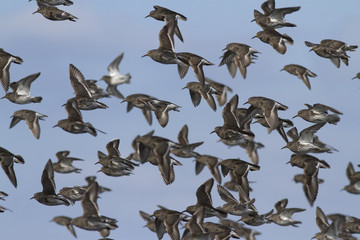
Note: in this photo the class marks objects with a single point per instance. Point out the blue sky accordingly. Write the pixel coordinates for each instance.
(107, 28)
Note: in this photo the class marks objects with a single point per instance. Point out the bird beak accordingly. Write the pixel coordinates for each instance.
(32, 198)
(183, 88)
(284, 147)
(147, 16)
(145, 55)
(55, 125)
(246, 103)
(35, 12)
(253, 37)
(212, 132)
(295, 116)
(288, 162)
(252, 20)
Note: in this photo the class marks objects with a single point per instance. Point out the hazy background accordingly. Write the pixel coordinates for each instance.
(107, 28)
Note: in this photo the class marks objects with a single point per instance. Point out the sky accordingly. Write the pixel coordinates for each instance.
(107, 28)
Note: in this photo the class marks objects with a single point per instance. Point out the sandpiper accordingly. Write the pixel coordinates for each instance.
(115, 78)
(301, 72)
(31, 118)
(48, 195)
(221, 88)
(275, 39)
(53, 2)
(283, 215)
(65, 221)
(7, 160)
(205, 91)
(186, 149)
(55, 14)
(64, 163)
(318, 113)
(5, 61)
(167, 15)
(83, 95)
(21, 91)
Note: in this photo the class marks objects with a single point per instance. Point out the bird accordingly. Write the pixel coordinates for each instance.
(273, 17)
(73, 194)
(165, 53)
(161, 109)
(48, 195)
(21, 91)
(65, 221)
(283, 215)
(55, 14)
(140, 100)
(74, 123)
(150, 220)
(233, 206)
(53, 2)
(319, 113)
(204, 199)
(305, 143)
(275, 39)
(7, 160)
(64, 163)
(167, 221)
(283, 123)
(196, 62)
(220, 231)
(309, 186)
(311, 166)
(356, 76)
(354, 180)
(231, 129)
(301, 72)
(5, 61)
(198, 91)
(221, 88)
(82, 92)
(327, 231)
(91, 219)
(211, 162)
(115, 78)
(240, 170)
(167, 15)
(268, 107)
(327, 51)
(96, 91)
(185, 149)
(238, 55)
(31, 118)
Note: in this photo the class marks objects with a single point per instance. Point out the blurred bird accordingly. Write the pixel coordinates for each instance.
(211, 162)
(55, 14)
(283, 123)
(220, 231)
(48, 195)
(64, 163)
(115, 78)
(167, 15)
(354, 180)
(150, 221)
(221, 88)
(31, 118)
(96, 91)
(301, 72)
(21, 91)
(65, 221)
(91, 219)
(311, 166)
(238, 55)
(309, 186)
(356, 76)
(73, 194)
(167, 221)
(5, 61)
(186, 149)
